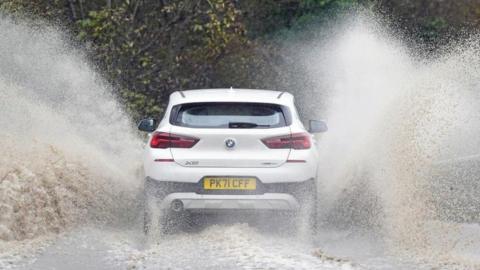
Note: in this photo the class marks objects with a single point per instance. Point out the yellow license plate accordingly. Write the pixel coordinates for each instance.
(230, 183)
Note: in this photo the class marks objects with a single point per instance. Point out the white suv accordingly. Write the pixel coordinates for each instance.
(219, 150)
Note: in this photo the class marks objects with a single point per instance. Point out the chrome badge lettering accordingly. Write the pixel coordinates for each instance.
(191, 163)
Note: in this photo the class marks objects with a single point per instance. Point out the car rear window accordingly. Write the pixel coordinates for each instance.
(228, 115)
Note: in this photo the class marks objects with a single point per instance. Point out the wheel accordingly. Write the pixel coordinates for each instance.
(147, 213)
(307, 217)
(158, 220)
(170, 222)
(312, 218)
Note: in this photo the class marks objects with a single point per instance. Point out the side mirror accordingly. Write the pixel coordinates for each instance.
(148, 125)
(317, 126)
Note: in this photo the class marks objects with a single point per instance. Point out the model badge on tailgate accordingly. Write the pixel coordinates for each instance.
(191, 163)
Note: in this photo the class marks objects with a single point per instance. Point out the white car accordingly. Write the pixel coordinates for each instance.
(227, 150)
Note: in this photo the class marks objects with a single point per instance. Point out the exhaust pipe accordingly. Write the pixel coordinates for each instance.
(177, 206)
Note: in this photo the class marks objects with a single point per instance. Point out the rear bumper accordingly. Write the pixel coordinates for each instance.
(286, 173)
(273, 196)
(203, 203)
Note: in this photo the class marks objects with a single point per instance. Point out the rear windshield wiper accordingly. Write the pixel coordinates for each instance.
(244, 125)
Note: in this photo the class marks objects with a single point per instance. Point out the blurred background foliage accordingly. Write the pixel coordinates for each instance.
(150, 48)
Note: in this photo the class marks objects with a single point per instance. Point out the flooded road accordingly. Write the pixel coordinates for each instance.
(71, 181)
(236, 246)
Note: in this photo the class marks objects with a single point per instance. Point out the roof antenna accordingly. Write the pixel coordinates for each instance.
(231, 89)
(181, 93)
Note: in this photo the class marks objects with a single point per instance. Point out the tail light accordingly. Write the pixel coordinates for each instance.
(292, 141)
(169, 140)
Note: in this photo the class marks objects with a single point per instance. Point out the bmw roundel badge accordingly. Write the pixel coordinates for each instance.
(230, 143)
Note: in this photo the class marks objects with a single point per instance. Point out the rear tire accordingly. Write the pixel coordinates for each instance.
(146, 222)
(173, 222)
(147, 213)
(307, 217)
(313, 211)
(169, 222)
(159, 220)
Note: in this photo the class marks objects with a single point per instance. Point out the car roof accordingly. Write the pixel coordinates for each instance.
(231, 95)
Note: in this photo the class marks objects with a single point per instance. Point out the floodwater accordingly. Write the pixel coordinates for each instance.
(398, 169)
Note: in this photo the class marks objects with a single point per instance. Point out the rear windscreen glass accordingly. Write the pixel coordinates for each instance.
(228, 115)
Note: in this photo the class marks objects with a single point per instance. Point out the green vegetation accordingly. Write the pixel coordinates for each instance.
(150, 48)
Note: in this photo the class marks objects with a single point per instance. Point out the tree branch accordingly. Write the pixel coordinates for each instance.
(72, 8)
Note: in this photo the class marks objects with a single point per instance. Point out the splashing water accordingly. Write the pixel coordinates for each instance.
(394, 117)
(400, 158)
(68, 153)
